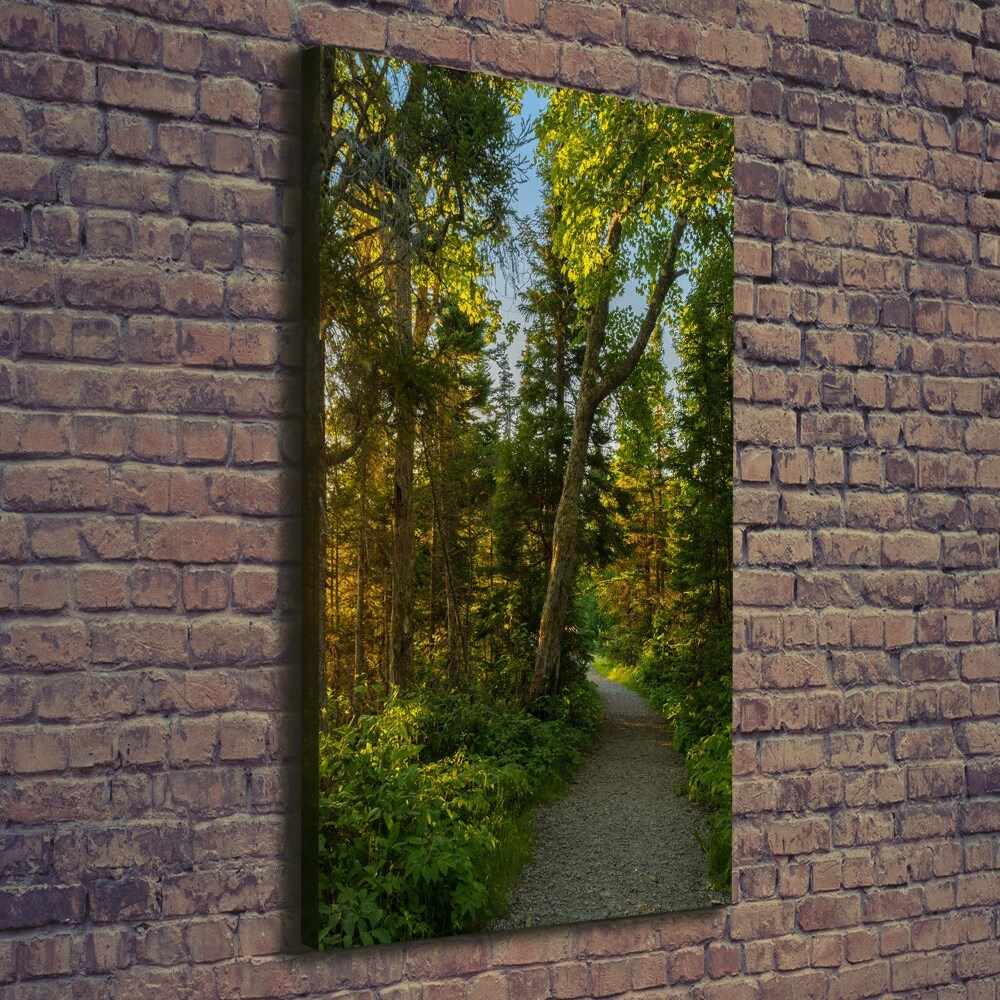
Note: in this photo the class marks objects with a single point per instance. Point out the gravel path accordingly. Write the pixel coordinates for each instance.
(620, 842)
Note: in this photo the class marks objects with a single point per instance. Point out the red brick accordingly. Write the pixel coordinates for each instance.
(101, 588)
(181, 145)
(142, 742)
(147, 90)
(38, 906)
(27, 26)
(45, 76)
(737, 49)
(911, 972)
(608, 70)
(753, 921)
(768, 342)
(205, 590)
(805, 63)
(647, 33)
(193, 294)
(832, 151)
(582, 22)
(255, 345)
(827, 911)
(139, 641)
(255, 590)
(869, 980)
(243, 737)
(323, 24)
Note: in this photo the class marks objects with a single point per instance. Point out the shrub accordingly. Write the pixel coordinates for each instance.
(422, 809)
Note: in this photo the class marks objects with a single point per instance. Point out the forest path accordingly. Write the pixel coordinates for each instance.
(619, 842)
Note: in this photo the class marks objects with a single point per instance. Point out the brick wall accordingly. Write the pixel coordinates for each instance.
(148, 389)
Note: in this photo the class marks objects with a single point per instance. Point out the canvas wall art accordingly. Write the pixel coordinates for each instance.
(518, 308)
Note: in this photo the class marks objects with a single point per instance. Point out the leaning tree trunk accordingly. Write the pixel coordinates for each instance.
(594, 389)
(545, 679)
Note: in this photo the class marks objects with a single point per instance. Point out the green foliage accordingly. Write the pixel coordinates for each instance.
(423, 821)
(643, 164)
(710, 783)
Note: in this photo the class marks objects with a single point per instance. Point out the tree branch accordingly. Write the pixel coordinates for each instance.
(615, 378)
(347, 451)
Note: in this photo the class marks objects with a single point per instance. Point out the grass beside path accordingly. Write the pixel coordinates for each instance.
(621, 674)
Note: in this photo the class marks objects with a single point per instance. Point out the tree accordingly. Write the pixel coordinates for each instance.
(420, 163)
(630, 179)
(701, 456)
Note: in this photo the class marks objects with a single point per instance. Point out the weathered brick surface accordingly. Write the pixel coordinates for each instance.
(147, 495)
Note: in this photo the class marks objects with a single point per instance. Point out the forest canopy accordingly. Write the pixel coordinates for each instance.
(516, 483)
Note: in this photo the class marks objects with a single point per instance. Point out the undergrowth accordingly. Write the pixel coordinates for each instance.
(424, 822)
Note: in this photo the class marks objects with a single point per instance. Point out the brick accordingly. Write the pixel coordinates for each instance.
(96, 338)
(911, 548)
(255, 345)
(945, 244)
(828, 911)
(263, 249)
(38, 906)
(205, 590)
(121, 900)
(230, 152)
(99, 436)
(323, 24)
(139, 641)
(648, 33)
(832, 151)
(751, 921)
(911, 972)
(131, 188)
(89, 33)
(811, 266)
(193, 294)
(27, 178)
(26, 26)
(929, 204)
(110, 234)
(582, 22)
(242, 737)
(101, 589)
(253, 202)
(805, 63)
(147, 90)
(868, 980)
(28, 282)
(768, 342)
(13, 230)
(160, 239)
(738, 49)
(255, 590)
(756, 180)
(130, 136)
(596, 69)
(258, 297)
(45, 76)
(182, 145)
(56, 486)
